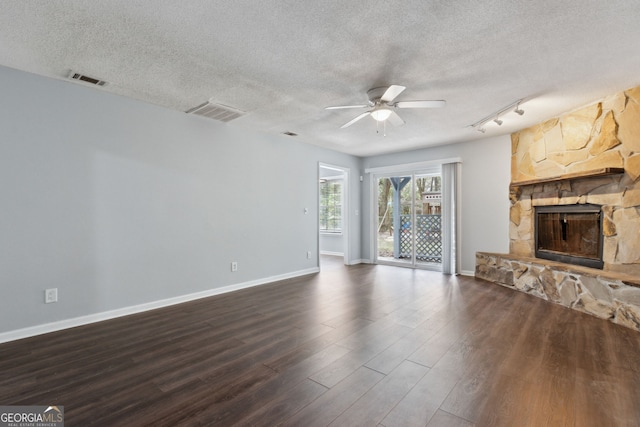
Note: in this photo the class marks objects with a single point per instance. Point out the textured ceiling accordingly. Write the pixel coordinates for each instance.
(282, 62)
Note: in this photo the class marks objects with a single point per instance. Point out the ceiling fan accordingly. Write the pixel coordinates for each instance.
(382, 106)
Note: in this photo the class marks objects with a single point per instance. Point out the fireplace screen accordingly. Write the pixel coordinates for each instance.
(571, 234)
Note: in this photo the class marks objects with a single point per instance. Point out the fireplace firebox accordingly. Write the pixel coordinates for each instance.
(570, 234)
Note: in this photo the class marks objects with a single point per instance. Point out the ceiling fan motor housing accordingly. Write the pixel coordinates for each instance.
(376, 93)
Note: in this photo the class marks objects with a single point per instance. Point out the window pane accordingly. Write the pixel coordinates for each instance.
(331, 205)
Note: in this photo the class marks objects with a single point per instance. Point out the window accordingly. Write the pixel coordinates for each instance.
(331, 205)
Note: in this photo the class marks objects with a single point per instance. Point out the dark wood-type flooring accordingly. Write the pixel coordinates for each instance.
(361, 345)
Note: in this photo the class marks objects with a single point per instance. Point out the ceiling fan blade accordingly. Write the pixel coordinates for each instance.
(340, 107)
(420, 104)
(361, 116)
(391, 93)
(395, 119)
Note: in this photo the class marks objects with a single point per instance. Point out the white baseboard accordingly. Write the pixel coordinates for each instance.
(331, 253)
(112, 314)
(468, 273)
(352, 262)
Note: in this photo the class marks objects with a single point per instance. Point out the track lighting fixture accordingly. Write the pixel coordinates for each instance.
(495, 117)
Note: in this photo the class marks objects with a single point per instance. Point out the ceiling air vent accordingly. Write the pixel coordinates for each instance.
(84, 78)
(218, 112)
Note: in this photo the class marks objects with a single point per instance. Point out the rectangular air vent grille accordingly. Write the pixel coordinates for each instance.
(84, 78)
(218, 112)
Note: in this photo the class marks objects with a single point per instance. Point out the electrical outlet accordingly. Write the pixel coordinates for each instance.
(50, 295)
(308, 254)
(234, 266)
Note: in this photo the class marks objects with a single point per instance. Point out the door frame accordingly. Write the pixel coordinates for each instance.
(407, 168)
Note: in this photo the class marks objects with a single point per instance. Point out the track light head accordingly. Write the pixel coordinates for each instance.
(481, 130)
(498, 121)
(518, 111)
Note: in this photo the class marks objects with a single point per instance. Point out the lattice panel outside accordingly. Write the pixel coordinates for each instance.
(428, 237)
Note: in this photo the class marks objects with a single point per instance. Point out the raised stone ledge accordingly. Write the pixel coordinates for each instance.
(607, 295)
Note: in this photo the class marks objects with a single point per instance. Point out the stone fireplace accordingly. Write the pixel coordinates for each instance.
(586, 160)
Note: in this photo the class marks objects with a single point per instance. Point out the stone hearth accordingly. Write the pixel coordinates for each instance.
(611, 296)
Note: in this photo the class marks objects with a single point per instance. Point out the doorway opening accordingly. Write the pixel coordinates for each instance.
(333, 218)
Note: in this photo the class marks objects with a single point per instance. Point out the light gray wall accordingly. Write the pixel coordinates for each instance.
(486, 169)
(118, 203)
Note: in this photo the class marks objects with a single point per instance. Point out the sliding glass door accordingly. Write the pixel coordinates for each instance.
(394, 219)
(409, 226)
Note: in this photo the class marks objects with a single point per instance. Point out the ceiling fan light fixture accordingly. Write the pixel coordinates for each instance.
(381, 114)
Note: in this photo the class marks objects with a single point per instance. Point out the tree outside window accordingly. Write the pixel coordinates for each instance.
(331, 205)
